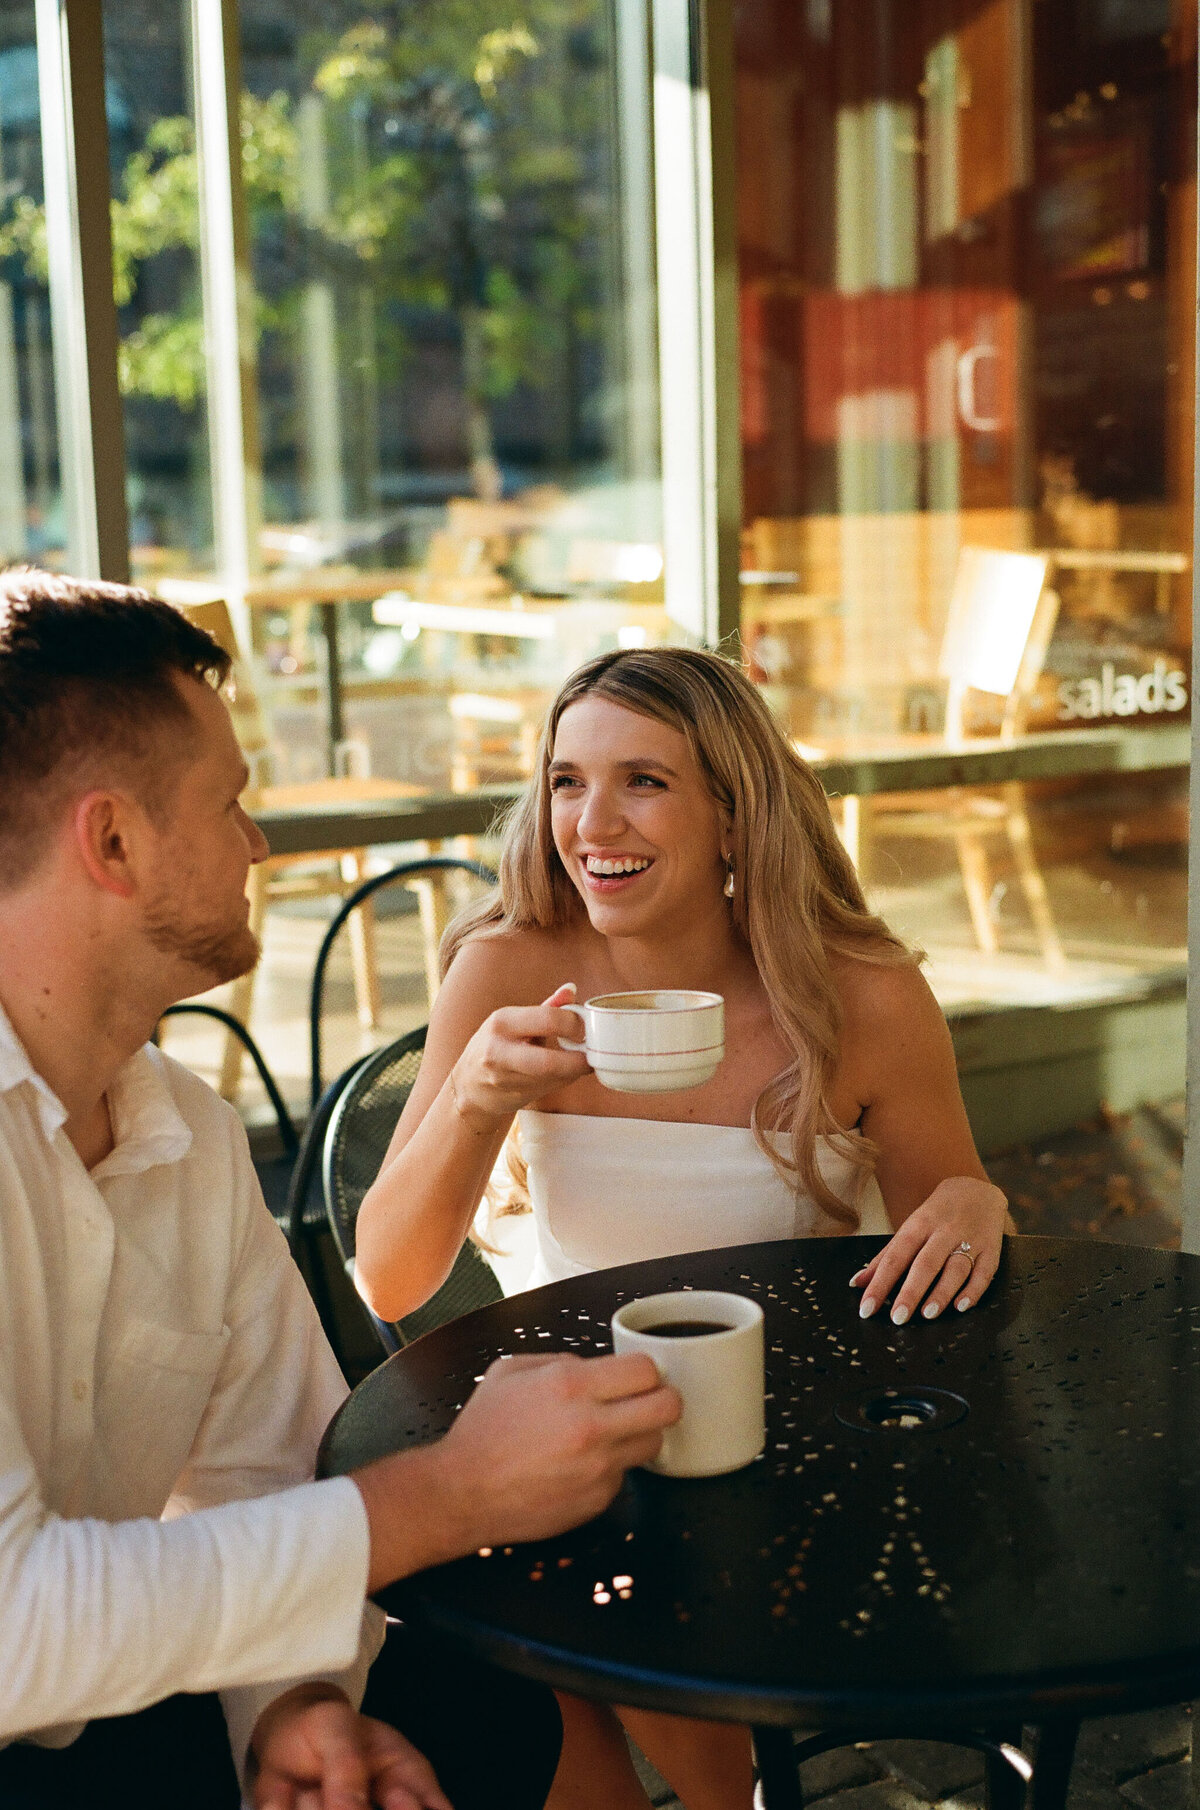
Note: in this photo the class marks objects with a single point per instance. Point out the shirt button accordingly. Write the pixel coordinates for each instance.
(79, 1389)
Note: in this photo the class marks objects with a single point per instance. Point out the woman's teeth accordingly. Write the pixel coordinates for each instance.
(624, 864)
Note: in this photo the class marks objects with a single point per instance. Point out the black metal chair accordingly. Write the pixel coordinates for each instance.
(404, 873)
(302, 1214)
(288, 1135)
(360, 1120)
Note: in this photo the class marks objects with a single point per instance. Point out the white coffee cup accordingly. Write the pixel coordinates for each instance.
(655, 1042)
(720, 1375)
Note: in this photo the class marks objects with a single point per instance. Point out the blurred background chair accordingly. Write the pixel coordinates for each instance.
(426, 875)
(333, 872)
(1001, 617)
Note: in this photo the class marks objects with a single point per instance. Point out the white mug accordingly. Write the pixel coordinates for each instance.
(654, 1042)
(720, 1375)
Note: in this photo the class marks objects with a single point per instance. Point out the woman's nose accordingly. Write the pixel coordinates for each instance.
(600, 816)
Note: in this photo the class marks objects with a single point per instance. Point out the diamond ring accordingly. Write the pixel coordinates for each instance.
(965, 1248)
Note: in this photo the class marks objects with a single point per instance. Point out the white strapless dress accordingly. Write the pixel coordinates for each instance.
(608, 1191)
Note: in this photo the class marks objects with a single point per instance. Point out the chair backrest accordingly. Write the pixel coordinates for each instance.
(355, 1144)
(998, 628)
(234, 1026)
(405, 873)
(212, 615)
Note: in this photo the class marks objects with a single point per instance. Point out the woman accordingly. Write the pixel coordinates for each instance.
(671, 838)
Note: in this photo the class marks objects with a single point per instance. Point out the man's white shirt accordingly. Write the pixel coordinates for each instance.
(164, 1383)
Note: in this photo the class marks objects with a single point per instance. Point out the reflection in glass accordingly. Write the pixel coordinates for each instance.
(967, 255)
(967, 264)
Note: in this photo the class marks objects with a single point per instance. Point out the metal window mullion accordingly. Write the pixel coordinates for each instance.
(227, 286)
(74, 131)
(1190, 1189)
(1190, 1204)
(698, 388)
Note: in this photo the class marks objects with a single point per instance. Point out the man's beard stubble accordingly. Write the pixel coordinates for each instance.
(220, 954)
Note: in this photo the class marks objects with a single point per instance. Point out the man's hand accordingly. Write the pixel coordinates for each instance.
(313, 1752)
(542, 1445)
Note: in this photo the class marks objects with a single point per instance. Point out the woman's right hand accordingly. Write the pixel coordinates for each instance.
(514, 1058)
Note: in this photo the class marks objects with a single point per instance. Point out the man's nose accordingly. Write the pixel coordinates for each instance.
(260, 848)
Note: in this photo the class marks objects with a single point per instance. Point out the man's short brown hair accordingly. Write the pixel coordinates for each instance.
(87, 686)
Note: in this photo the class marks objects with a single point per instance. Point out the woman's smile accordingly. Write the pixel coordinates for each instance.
(609, 873)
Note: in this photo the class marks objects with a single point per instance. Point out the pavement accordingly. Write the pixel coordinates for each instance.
(1115, 1177)
(1139, 1762)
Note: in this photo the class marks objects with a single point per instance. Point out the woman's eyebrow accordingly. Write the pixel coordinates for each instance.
(648, 765)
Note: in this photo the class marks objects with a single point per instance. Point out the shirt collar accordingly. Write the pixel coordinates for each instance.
(148, 1128)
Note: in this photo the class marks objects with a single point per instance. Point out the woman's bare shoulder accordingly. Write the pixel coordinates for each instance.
(882, 995)
(515, 967)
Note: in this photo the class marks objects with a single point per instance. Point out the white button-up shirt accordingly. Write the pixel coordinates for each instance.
(164, 1383)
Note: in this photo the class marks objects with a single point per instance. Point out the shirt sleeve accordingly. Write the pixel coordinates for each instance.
(103, 1618)
(276, 1392)
(254, 1577)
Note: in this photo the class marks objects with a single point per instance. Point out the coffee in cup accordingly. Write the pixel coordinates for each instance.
(658, 1041)
(710, 1347)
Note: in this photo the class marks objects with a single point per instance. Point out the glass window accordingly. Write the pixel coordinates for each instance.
(32, 526)
(156, 280)
(967, 267)
(455, 338)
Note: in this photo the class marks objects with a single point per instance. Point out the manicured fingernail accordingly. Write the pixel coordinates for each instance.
(931, 1310)
(866, 1307)
(857, 1277)
(962, 1304)
(899, 1315)
(568, 986)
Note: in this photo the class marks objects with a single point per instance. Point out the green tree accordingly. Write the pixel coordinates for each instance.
(457, 178)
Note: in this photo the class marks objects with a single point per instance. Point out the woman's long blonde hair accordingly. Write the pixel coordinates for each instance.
(796, 899)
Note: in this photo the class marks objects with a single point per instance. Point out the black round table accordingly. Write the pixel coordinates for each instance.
(957, 1527)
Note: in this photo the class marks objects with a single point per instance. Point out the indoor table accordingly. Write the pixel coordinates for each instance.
(958, 1527)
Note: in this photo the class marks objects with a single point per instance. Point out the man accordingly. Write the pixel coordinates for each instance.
(163, 1379)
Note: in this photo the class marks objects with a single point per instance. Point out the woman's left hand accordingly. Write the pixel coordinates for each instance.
(947, 1250)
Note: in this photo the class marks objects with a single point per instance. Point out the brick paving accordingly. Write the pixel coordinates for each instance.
(1138, 1762)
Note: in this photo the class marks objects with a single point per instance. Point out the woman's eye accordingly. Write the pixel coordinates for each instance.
(647, 779)
(561, 781)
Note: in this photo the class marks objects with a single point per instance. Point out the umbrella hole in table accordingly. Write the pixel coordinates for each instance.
(915, 1410)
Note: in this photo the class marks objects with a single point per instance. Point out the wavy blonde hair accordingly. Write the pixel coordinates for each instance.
(797, 899)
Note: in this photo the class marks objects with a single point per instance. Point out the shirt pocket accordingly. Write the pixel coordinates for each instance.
(155, 1384)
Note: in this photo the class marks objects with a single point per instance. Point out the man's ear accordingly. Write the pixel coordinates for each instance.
(106, 834)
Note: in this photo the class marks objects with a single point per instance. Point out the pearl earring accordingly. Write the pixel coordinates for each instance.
(728, 887)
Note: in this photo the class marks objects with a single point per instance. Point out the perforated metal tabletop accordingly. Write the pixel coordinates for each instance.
(990, 1518)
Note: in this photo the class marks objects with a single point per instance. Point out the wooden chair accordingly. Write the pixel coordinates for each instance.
(1002, 615)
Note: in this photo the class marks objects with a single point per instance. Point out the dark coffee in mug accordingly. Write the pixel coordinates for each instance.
(686, 1329)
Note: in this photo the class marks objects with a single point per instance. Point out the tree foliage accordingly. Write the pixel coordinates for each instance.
(456, 146)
